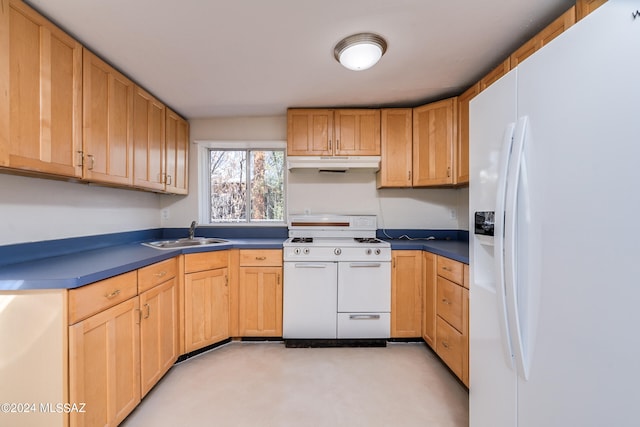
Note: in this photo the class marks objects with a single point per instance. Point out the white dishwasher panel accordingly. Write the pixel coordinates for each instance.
(309, 300)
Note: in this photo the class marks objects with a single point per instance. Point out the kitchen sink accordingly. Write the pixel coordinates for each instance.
(186, 243)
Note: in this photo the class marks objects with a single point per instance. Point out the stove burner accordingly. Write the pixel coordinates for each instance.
(302, 240)
(367, 240)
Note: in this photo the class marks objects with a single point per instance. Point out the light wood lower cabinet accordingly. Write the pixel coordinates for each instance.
(206, 308)
(260, 293)
(452, 316)
(429, 301)
(104, 365)
(406, 294)
(158, 332)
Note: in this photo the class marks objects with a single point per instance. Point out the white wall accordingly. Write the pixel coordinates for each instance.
(33, 209)
(353, 192)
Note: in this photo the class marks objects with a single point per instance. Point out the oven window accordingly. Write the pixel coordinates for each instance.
(246, 186)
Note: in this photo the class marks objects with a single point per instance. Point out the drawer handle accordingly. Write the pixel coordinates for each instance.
(446, 301)
(112, 294)
(447, 269)
(160, 274)
(445, 344)
(364, 316)
(261, 258)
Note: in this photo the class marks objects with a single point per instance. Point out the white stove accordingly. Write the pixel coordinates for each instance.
(337, 279)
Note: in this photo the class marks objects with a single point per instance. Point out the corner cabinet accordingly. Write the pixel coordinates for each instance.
(342, 132)
(40, 94)
(434, 136)
(260, 293)
(206, 299)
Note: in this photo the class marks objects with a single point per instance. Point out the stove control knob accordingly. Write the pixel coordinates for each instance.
(377, 251)
(296, 251)
(306, 251)
(337, 251)
(368, 251)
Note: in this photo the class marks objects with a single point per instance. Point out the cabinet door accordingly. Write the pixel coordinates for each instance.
(434, 135)
(357, 132)
(462, 147)
(158, 333)
(396, 148)
(406, 297)
(104, 365)
(260, 301)
(107, 123)
(177, 157)
(42, 78)
(585, 7)
(206, 308)
(148, 141)
(550, 32)
(309, 132)
(429, 300)
(494, 75)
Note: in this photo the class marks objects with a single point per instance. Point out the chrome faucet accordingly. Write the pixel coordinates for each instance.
(192, 229)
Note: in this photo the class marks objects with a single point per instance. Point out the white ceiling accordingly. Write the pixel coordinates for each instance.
(215, 58)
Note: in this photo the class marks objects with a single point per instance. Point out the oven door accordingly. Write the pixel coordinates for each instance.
(364, 287)
(309, 300)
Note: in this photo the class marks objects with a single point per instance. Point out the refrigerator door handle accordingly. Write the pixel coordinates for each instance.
(510, 245)
(498, 248)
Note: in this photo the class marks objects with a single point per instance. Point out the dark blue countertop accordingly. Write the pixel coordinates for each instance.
(81, 268)
(71, 263)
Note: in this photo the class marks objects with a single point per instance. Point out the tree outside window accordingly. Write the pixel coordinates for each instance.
(246, 186)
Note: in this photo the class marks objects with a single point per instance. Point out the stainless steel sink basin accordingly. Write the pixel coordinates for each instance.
(186, 243)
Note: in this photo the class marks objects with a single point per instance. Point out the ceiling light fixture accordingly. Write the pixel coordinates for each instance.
(360, 51)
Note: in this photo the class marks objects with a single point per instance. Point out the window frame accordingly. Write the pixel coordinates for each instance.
(204, 180)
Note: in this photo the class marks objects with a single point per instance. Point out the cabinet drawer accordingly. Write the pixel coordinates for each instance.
(91, 299)
(157, 273)
(450, 269)
(449, 346)
(205, 261)
(449, 302)
(257, 257)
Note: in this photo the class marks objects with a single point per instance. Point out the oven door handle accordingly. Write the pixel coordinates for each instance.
(298, 265)
(365, 264)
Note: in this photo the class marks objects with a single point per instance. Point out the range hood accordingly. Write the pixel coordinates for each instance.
(333, 163)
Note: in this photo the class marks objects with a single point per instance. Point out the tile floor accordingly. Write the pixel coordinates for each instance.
(265, 384)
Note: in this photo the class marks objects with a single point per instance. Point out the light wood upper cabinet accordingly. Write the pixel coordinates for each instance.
(434, 135)
(585, 7)
(309, 132)
(357, 132)
(41, 94)
(494, 75)
(344, 132)
(177, 154)
(461, 154)
(148, 141)
(107, 123)
(396, 148)
(406, 294)
(549, 33)
(104, 365)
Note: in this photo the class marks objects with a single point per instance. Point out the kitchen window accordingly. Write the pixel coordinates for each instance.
(244, 184)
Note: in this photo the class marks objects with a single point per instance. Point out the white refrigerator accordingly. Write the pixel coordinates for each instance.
(555, 292)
